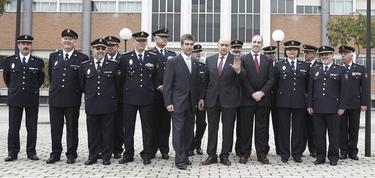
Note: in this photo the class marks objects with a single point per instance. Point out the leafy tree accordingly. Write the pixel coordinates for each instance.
(350, 29)
(2, 5)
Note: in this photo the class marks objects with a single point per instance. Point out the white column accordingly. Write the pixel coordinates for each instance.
(146, 17)
(185, 17)
(225, 19)
(265, 21)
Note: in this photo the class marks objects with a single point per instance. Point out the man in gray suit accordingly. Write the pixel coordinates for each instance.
(223, 95)
(181, 87)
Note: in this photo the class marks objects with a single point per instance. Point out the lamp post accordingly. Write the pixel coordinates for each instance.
(278, 35)
(125, 34)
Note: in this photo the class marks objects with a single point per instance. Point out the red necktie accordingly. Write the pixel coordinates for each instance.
(257, 66)
(220, 67)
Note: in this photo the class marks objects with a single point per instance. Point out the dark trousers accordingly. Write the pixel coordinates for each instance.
(182, 133)
(275, 126)
(261, 129)
(130, 115)
(15, 118)
(349, 128)
(322, 122)
(100, 132)
(227, 119)
(200, 128)
(309, 134)
(162, 127)
(71, 115)
(118, 130)
(237, 146)
(294, 145)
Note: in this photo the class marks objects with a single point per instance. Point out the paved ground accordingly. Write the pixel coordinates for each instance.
(23, 167)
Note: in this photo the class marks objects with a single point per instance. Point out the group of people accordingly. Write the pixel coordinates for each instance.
(305, 98)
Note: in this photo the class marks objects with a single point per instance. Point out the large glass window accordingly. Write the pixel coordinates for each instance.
(130, 6)
(282, 6)
(45, 6)
(167, 14)
(341, 7)
(206, 20)
(245, 19)
(11, 7)
(301, 9)
(104, 6)
(71, 7)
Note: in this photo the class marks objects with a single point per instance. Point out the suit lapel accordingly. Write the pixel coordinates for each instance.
(228, 61)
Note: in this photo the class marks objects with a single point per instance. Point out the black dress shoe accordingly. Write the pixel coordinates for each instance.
(70, 160)
(284, 160)
(181, 166)
(117, 155)
(333, 163)
(188, 162)
(52, 159)
(90, 161)
(164, 156)
(106, 162)
(33, 157)
(190, 153)
(263, 160)
(225, 161)
(209, 161)
(125, 160)
(313, 155)
(319, 161)
(10, 158)
(146, 161)
(199, 151)
(344, 156)
(354, 157)
(297, 160)
(243, 159)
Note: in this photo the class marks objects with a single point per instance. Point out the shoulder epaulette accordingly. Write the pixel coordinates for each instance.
(150, 52)
(84, 62)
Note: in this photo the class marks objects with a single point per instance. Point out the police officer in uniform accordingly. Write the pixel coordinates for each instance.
(100, 82)
(23, 75)
(236, 50)
(309, 52)
(200, 115)
(65, 96)
(270, 51)
(358, 95)
(118, 126)
(138, 81)
(327, 100)
(291, 76)
(162, 120)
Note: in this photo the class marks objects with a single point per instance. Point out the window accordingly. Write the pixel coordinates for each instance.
(206, 20)
(44, 6)
(12, 6)
(167, 14)
(341, 7)
(301, 9)
(245, 19)
(130, 7)
(104, 6)
(282, 6)
(70, 7)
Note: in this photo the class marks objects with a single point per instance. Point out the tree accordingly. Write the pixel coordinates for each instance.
(2, 5)
(350, 29)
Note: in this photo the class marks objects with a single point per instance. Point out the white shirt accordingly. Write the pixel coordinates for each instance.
(224, 60)
(258, 57)
(350, 65)
(329, 66)
(27, 57)
(113, 57)
(69, 54)
(143, 54)
(96, 64)
(295, 63)
(161, 49)
(187, 60)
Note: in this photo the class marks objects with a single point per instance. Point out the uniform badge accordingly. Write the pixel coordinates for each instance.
(366, 75)
(130, 62)
(88, 71)
(346, 76)
(284, 67)
(316, 74)
(118, 72)
(12, 65)
(55, 63)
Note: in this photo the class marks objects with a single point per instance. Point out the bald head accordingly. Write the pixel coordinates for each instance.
(224, 46)
(256, 43)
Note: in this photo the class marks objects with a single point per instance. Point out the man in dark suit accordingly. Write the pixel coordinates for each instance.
(23, 75)
(162, 120)
(181, 87)
(309, 52)
(65, 96)
(270, 51)
(138, 81)
(222, 98)
(118, 125)
(327, 100)
(256, 101)
(291, 76)
(200, 115)
(358, 95)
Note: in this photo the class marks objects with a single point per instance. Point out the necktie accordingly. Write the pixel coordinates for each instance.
(66, 58)
(325, 69)
(162, 52)
(140, 57)
(98, 66)
(257, 66)
(220, 67)
(24, 61)
(111, 58)
(292, 65)
(347, 66)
